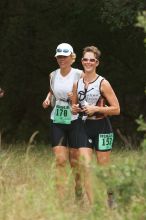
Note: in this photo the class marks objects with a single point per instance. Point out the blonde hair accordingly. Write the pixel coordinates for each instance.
(73, 56)
(93, 49)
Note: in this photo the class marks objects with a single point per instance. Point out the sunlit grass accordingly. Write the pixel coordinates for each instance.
(27, 187)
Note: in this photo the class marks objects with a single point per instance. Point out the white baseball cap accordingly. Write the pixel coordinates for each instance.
(64, 49)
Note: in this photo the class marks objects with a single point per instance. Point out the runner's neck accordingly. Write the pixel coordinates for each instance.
(65, 71)
(90, 78)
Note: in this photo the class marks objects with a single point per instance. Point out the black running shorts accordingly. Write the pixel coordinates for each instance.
(95, 134)
(65, 134)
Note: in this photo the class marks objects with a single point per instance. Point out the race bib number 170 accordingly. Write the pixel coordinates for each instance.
(62, 115)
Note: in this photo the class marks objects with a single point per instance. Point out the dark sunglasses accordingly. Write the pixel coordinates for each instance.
(92, 60)
(59, 50)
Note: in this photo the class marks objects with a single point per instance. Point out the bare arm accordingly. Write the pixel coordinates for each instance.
(109, 94)
(75, 105)
(47, 102)
(75, 97)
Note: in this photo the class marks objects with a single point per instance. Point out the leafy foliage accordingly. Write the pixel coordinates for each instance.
(142, 20)
(142, 125)
(119, 14)
(140, 121)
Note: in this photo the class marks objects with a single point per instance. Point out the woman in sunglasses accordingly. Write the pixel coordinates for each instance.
(96, 101)
(63, 122)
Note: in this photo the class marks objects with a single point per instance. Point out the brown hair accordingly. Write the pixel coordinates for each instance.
(92, 49)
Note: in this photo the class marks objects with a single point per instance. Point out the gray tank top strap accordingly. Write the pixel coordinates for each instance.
(52, 79)
(100, 79)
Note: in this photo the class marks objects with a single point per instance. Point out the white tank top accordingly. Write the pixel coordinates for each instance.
(62, 85)
(90, 95)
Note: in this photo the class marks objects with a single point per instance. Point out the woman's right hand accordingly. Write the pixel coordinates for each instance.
(76, 109)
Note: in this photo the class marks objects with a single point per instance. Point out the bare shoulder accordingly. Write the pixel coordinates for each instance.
(50, 75)
(105, 84)
(106, 89)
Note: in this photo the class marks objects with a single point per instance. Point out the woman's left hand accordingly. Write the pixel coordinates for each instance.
(90, 109)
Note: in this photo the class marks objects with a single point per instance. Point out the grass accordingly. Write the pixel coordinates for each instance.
(27, 187)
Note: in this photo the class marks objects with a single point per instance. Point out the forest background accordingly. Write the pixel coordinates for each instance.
(30, 30)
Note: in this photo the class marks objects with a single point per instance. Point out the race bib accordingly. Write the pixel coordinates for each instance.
(62, 114)
(105, 141)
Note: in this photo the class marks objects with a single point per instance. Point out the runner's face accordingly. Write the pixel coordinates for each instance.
(89, 62)
(64, 61)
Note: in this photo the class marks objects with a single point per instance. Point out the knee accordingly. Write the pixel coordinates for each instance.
(73, 162)
(74, 158)
(61, 161)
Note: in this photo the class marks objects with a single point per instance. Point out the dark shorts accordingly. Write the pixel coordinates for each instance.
(65, 134)
(96, 134)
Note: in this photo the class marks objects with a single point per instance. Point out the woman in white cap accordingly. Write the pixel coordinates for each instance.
(63, 122)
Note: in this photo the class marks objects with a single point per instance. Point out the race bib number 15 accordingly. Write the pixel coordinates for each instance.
(62, 115)
(105, 141)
